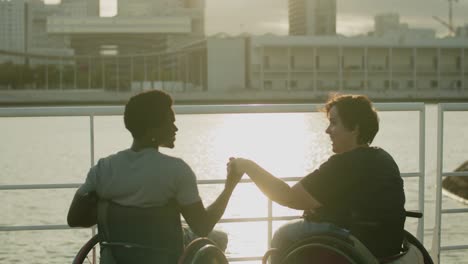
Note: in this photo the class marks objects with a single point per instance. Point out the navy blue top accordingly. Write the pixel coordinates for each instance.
(362, 190)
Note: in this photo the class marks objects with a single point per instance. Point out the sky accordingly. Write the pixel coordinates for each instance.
(354, 16)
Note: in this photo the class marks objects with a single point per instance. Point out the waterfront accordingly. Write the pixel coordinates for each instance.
(55, 97)
(56, 150)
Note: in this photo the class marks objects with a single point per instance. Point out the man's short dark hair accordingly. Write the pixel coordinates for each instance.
(146, 110)
(356, 111)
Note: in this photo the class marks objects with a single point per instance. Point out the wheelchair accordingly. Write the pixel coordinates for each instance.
(199, 251)
(340, 247)
(146, 235)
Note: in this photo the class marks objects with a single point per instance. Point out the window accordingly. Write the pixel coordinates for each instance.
(435, 62)
(266, 62)
(293, 84)
(410, 84)
(434, 84)
(317, 62)
(292, 62)
(386, 84)
(267, 85)
(458, 63)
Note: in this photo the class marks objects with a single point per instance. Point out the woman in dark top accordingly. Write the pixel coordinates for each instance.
(359, 188)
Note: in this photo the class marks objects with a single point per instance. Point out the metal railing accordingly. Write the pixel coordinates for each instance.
(92, 111)
(439, 210)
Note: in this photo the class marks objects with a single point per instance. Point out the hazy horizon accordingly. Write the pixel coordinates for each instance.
(354, 16)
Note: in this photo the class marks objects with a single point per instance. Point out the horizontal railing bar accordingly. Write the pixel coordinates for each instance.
(212, 181)
(257, 219)
(457, 247)
(456, 173)
(76, 185)
(447, 107)
(411, 174)
(225, 220)
(244, 259)
(33, 228)
(188, 109)
(454, 211)
(39, 186)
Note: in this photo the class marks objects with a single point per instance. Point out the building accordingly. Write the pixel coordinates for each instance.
(192, 9)
(389, 25)
(23, 30)
(462, 31)
(79, 8)
(374, 65)
(312, 17)
(140, 25)
(325, 64)
(13, 21)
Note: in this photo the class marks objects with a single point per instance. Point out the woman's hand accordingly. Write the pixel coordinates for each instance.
(234, 173)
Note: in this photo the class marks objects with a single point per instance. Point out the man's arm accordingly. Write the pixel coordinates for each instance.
(277, 190)
(83, 210)
(202, 220)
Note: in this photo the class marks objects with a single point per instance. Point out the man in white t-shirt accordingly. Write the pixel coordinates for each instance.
(143, 177)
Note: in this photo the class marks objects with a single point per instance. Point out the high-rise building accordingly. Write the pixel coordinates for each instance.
(312, 17)
(462, 31)
(13, 25)
(139, 26)
(386, 22)
(194, 9)
(79, 8)
(23, 29)
(388, 25)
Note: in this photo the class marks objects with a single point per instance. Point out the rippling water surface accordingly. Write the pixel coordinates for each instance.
(57, 150)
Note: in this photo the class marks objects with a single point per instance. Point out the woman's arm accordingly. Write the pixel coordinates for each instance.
(277, 190)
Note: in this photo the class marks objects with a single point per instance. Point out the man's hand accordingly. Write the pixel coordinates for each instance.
(234, 175)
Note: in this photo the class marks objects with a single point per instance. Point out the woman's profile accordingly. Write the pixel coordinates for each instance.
(358, 184)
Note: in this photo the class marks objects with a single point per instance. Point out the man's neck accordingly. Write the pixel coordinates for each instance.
(139, 145)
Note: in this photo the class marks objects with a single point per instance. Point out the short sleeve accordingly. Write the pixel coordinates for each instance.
(90, 183)
(330, 183)
(187, 189)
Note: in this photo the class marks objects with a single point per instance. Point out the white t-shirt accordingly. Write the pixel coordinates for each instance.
(143, 179)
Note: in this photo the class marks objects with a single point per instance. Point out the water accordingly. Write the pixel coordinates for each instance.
(57, 150)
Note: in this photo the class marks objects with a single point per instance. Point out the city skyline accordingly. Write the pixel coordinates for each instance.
(354, 16)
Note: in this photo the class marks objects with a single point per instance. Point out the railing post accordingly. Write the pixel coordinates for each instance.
(435, 251)
(422, 170)
(270, 222)
(91, 136)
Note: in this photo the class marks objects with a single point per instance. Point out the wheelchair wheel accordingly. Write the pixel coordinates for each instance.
(327, 249)
(202, 250)
(83, 254)
(209, 254)
(413, 240)
(318, 253)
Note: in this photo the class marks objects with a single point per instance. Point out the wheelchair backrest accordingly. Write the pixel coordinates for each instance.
(141, 235)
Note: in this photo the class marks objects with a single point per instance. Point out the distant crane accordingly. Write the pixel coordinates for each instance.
(448, 25)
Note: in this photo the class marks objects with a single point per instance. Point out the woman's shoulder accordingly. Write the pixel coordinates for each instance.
(362, 154)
